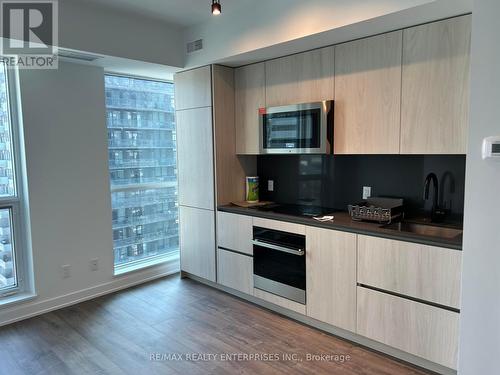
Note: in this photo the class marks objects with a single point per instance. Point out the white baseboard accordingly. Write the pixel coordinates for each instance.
(33, 308)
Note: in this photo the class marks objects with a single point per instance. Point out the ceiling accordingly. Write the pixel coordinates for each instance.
(181, 13)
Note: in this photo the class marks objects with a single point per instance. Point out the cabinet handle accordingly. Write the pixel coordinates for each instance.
(299, 252)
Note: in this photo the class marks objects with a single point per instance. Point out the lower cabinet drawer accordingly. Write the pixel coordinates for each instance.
(424, 272)
(235, 271)
(422, 330)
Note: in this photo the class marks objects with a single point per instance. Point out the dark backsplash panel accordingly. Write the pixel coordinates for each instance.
(336, 181)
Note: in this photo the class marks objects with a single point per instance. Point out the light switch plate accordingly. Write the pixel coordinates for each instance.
(367, 192)
(270, 185)
(66, 271)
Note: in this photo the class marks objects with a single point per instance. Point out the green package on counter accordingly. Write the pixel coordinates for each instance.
(252, 189)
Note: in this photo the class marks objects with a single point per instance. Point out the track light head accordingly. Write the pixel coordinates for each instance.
(216, 7)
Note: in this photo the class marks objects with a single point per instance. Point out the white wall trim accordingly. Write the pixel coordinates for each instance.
(29, 310)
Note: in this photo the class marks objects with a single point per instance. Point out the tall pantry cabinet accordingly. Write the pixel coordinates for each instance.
(193, 101)
(210, 173)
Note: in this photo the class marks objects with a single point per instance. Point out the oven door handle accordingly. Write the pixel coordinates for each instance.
(267, 245)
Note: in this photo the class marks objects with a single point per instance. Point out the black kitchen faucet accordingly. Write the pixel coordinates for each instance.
(437, 215)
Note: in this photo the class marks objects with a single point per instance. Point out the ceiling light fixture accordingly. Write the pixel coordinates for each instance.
(216, 7)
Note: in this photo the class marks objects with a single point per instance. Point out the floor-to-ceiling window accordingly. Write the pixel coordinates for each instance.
(143, 170)
(13, 272)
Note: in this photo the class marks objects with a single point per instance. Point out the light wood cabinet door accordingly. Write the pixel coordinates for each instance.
(331, 277)
(235, 232)
(368, 95)
(193, 88)
(436, 80)
(425, 272)
(250, 95)
(197, 242)
(195, 158)
(422, 330)
(301, 78)
(235, 271)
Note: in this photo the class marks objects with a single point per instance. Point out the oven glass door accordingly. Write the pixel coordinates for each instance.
(284, 268)
(300, 129)
(280, 257)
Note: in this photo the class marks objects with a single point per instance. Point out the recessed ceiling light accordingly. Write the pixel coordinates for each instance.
(216, 7)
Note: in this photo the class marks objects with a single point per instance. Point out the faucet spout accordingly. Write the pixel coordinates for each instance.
(431, 177)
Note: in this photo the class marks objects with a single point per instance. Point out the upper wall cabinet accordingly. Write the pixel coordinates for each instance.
(196, 89)
(435, 96)
(368, 95)
(250, 95)
(302, 78)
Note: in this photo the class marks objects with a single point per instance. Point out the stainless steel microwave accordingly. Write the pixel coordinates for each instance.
(297, 129)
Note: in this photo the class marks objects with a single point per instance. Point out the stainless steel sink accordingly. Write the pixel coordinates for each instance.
(425, 229)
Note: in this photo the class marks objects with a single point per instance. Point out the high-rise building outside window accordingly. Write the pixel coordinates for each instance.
(143, 171)
(13, 254)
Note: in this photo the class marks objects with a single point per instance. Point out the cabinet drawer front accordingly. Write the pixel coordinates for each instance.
(235, 271)
(234, 232)
(279, 225)
(422, 330)
(419, 271)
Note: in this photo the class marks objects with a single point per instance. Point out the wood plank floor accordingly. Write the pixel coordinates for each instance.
(136, 330)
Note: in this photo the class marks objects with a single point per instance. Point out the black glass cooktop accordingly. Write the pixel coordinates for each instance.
(297, 210)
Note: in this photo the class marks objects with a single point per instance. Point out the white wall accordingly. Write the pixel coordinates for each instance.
(88, 27)
(480, 318)
(280, 27)
(67, 173)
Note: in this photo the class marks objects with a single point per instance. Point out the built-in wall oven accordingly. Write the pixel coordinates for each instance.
(279, 263)
(297, 129)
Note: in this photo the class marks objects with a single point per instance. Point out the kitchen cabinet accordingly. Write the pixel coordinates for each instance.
(331, 277)
(301, 78)
(435, 87)
(235, 232)
(195, 164)
(250, 95)
(420, 329)
(279, 225)
(235, 271)
(230, 169)
(368, 95)
(425, 272)
(193, 88)
(280, 301)
(195, 158)
(197, 241)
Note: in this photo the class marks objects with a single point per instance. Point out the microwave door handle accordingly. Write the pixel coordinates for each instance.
(299, 252)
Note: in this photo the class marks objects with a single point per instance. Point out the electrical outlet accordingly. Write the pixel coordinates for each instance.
(94, 264)
(66, 271)
(367, 192)
(270, 185)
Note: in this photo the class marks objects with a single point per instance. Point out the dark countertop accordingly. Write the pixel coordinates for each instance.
(343, 222)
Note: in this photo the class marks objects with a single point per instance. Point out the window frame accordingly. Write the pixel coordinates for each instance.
(18, 202)
(141, 264)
